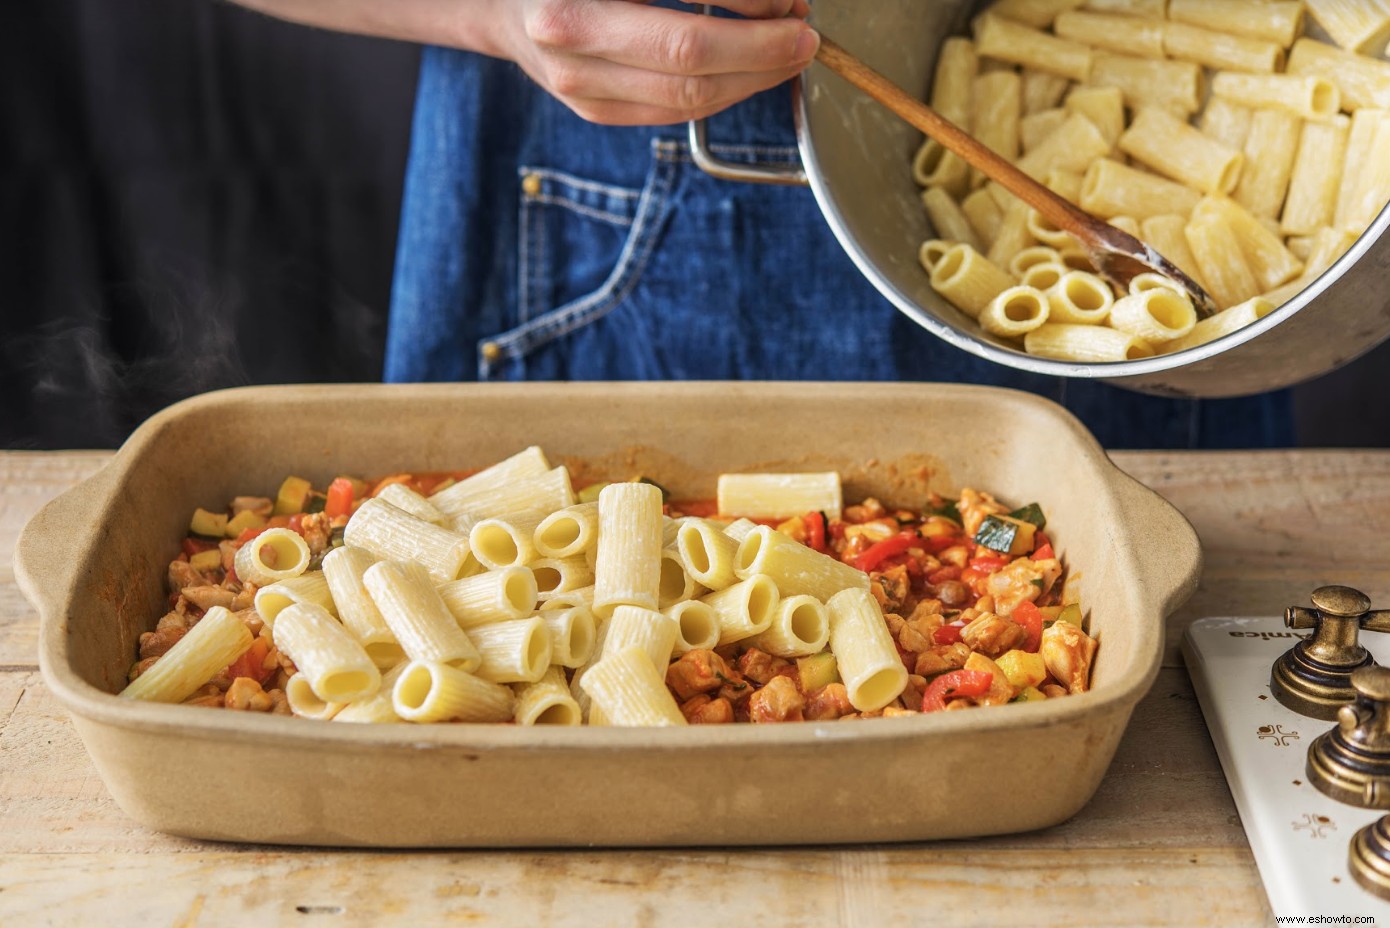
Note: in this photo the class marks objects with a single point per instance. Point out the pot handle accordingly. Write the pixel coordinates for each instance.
(715, 166)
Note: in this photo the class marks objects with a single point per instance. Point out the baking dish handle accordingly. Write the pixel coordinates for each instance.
(713, 165)
(46, 565)
(1171, 568)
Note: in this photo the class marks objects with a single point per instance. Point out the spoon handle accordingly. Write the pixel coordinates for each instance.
(1054, 208)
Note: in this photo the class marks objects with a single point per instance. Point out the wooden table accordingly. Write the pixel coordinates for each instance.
(1160, 844)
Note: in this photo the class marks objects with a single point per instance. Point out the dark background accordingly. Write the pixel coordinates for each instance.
(193, 196)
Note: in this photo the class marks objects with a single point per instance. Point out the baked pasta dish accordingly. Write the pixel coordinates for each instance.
(505, 596)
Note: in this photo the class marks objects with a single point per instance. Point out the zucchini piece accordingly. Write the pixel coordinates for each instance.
(1006, 535)
(294, 493)
(947, 510)
(315, 502)
(817, 671)
(208, 524)
(1031, 513)
(206, 560)
(242, 521)
(665, 493)
(590, 493)
(1071, 614)
(1030, 694)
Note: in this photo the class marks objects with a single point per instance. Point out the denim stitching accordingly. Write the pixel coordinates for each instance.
(626, 274)
(524, 271)
(580, 183)
(581, 209)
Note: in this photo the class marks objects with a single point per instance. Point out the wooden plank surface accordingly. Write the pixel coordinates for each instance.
(1273, 524)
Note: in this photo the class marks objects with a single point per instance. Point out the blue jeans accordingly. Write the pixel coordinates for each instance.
(536, 246)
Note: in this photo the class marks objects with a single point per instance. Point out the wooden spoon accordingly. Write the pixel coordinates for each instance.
(1117, 255)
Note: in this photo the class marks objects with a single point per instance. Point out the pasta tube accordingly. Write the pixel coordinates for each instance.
(407, 500)
(512, 652)
(800, 627)
(379, 708)
(779, 496)
(628, 566)
(746, 608)
(1088, 344)
(1006, 40)
(307, 704)
(413, 610)
(1079, 298)
(794, 567)
(1363, 81)
(697, 625)
(968, 280)
(873, 673)
(274, 554)
(309, 587)
(560, 575)
(494, 596)
(567, 533)
(506, 541)
(1222, 324)
(676, 583)
(1317, 177)
(652, 632)
(572, 635)
(629, 691)
(524, 465)
(393, 534)
(217, 639)
(1015, 312)
(428, 691)
(343, 569)
(1169, 145)
(1158, 315)
(1312, 98)
(333, 662)
(707, 553)
(546, 701)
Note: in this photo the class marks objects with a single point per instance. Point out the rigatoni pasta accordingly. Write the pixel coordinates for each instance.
(745, 652)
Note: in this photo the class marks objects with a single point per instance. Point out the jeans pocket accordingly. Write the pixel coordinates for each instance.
(582, 248)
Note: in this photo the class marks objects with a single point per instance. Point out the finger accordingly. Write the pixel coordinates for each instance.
(627, 113)
(760, 9)
(670, 41)
(578, 78)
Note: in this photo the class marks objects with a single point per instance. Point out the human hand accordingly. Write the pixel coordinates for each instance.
(623, 62)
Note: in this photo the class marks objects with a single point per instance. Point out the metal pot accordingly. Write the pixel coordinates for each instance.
(877, 216)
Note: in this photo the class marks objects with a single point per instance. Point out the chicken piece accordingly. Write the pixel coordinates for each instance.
(243, 599)
(1001, 691)
(174, 619)
(894, 711)
(761, 667)
(317, 530)
(205, 597)
(699, 671)
(974, 506)
(1052, 690)
(941, 659)
(140, 667)
(260, 505)
(866, 511)
(1019, 582)
(992, 635)
(159, 641)
(1067, 651)
(913, 692)
(779, 701)
(246, 695)
(702, 710)
(953, 594)
(829, 702)
(916, 633)
(182, 575)
(891, 588)
(279, 705)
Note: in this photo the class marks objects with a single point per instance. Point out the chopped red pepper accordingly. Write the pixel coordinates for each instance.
(192, 546)
(339, 502)
(250, 664)
(877, 553)
(947, 634)
(247, 534)
(935, 544)
(953, 684)
(1043, 552)
(815, 530)
(989, 564)
(1028, 615)
(942, 574)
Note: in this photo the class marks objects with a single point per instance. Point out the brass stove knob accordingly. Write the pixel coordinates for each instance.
(1313, 677)
(1351, 763)
(1368, 858)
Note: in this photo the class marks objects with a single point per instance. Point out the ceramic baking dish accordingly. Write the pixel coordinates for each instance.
(93, 562)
